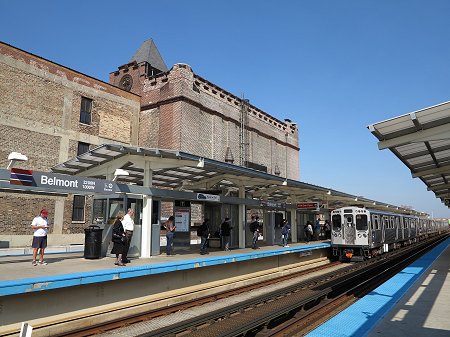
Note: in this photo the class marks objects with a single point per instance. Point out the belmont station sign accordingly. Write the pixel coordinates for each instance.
(69, 184)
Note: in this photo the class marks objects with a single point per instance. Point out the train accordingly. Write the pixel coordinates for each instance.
(359, 233)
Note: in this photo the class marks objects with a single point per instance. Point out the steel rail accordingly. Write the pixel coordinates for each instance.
(260, 314)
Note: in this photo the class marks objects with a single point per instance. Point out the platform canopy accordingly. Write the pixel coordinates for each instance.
(421, 140)
(182, 171)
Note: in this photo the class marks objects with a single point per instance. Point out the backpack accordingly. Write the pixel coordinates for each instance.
(200, 231)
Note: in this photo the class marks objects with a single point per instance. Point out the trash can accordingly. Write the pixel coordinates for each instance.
(93, 242)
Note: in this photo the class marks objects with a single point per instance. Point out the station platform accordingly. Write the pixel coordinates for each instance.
(71, 292)
(71, 269)
(415, 302)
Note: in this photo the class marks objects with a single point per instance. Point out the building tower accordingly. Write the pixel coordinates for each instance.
(146, 62)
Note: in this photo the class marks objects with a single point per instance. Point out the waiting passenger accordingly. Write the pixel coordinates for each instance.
(285, 232)
(317, 229)
(40, 227)
(203, 231)
(225, 231)
(254, 228)
(128, 226)
(308, 229)
(119, 239)
(327, 229)
(170, 227)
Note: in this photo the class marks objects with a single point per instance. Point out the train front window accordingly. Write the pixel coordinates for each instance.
(336, 222)
(349, 219)
(361, 222)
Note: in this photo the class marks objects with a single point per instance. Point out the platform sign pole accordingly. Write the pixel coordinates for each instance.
(147, 201)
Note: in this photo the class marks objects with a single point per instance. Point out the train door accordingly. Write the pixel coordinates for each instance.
(389, 229)
(349, 228)
(384, 227)
(413, 228)
(397, 228)
(401, 229)
(376, 229)
(406, 229)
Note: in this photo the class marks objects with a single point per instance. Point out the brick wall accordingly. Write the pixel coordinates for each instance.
(40, 117)
(19, 210)
(198, 117)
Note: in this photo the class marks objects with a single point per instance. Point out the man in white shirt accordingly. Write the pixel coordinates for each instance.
(128, 226)
(40, 227)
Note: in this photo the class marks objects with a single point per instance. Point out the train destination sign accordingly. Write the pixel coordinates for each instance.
(62, 182)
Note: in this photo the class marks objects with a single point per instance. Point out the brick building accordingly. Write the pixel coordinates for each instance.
(181, 110)
(52, 113)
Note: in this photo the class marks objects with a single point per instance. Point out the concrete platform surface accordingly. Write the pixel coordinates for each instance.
(71, 269)
(415, 302)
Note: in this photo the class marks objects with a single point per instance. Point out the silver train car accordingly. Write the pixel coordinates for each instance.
(360, 233)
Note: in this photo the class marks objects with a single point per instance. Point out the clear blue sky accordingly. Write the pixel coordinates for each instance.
(333, 67)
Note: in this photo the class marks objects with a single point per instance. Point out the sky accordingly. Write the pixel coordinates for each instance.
(332, 67)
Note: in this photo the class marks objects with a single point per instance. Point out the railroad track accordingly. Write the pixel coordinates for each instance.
(299, 308)
(149, 315)
(277, 313)
(296, 313)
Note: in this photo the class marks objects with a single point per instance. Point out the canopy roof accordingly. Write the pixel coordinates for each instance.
(421, 140)
(187, 172)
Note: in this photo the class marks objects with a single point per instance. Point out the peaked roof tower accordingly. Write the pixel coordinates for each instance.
(148, 52)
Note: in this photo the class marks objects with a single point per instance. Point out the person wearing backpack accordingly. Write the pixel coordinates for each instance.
(308, 231)
(203, 232)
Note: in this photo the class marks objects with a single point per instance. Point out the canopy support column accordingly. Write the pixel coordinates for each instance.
(147, 201)
(242, 217)
(293, 222)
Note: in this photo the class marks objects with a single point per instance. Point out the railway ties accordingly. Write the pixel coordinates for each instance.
(292, 310)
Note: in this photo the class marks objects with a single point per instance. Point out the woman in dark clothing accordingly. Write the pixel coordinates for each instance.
(119, 238)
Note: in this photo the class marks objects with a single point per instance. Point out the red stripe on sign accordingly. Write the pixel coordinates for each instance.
(20, 182)
(21, 171)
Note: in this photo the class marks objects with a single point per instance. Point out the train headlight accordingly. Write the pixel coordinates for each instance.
(365, 235)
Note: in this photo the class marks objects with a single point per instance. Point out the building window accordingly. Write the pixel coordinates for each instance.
(78, 207)
(85, 111)
(82, 148)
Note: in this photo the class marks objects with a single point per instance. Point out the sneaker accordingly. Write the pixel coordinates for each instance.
(34, 263)
(43, 263)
